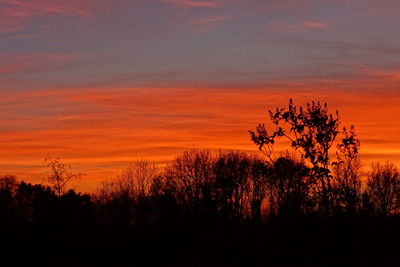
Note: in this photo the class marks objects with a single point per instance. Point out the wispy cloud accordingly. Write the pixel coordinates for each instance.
(382, 74)
(210, 20)
(24, 8)
(193, 3)
(18, 63)
(15, 15)
(8, 25)
(305, 26)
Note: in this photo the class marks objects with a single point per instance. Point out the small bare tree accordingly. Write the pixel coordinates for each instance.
(60, 175)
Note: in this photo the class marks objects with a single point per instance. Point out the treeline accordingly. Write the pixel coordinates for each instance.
(198, 183)
(23, 203)
(238, 186)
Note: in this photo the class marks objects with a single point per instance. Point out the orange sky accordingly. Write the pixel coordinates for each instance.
(100, 131)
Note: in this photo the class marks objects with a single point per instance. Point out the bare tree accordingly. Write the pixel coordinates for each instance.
(383, 188)
(191, 176)
(347, 173)
(60, 175)
(259, 178)
(289, 187)
(231, 183)
(232, 170)
(135, 181)
(120, 199)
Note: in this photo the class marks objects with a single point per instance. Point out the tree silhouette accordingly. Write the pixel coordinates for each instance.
(289, 187)
(8, 187)
(347, 173)
(383, 187)
(135, 181)
(117, 198)
(259, 178)
(312, 131)
(232, 186)
(190, 177)
(60, 175)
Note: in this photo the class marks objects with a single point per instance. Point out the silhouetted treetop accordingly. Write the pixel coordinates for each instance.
(311, 130)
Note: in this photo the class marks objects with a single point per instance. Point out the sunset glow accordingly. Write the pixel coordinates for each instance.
(103, 83)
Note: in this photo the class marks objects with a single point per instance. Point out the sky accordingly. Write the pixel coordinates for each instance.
(102, 83)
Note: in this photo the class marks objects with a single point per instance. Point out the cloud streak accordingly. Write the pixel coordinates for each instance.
(210, 20)
(16, 15)
(34, 62)
(193, 3)
(305, 26)
(26, 8)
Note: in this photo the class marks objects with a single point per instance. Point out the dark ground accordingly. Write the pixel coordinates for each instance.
(306, 242)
